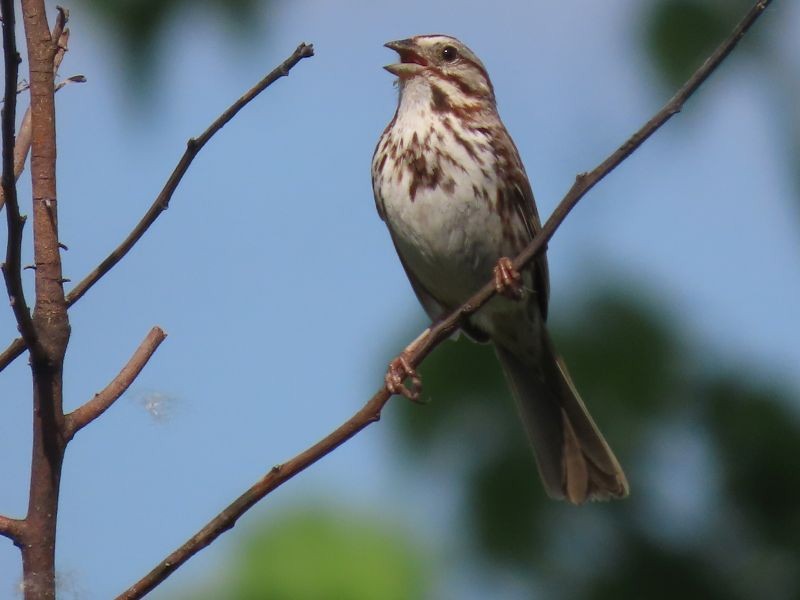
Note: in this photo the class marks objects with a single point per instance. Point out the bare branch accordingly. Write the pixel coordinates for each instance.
(50, 312)
(11, 528)
(71, 79)
(24, 136)
(12, 266)
(102, 401)
(14, 351)
(586, 181)
(193, 147)
(23, 143)
(425, 343)
(21, 149)
(278, 475)
(50, 318)
(161, 203)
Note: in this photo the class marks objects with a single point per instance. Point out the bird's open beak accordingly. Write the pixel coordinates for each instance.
(411, 63)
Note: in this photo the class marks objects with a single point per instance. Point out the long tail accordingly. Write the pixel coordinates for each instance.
(574, 460)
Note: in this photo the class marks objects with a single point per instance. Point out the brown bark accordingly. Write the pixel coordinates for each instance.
(50, 319)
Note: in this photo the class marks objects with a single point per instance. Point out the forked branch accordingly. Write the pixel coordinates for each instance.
(437, 333)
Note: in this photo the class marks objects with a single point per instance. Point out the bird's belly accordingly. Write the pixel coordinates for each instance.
(449, 240)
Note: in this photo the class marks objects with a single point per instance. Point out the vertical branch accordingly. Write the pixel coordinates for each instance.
(12, 272)
(50, 309)
(50, 319)
(24, 133)
(23, 142)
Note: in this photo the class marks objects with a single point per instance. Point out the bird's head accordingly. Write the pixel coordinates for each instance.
(444, 58)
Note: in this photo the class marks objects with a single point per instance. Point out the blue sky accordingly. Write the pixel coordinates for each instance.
(278, 285)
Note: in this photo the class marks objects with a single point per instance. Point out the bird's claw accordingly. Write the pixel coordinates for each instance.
(400, 370)
(507, 280)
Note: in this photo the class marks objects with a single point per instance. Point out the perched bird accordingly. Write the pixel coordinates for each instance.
(450, 185)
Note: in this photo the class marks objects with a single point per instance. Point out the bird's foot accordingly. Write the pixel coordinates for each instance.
(400, 370)
(507, 280)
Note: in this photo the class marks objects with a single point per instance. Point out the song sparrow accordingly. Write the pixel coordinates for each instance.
(450, 185)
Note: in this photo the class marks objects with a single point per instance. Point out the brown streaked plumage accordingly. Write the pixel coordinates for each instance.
(451, 187)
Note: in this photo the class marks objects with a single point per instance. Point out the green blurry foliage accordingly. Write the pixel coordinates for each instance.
(759, 442)
(659, 574)
(722, 442)
(138, 26)
(680, 34)
(329, 552)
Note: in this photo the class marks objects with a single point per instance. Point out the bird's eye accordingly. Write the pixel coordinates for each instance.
(449, 53)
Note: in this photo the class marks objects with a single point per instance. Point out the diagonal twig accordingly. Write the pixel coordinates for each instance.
(161, 203)
(422, 346)
(193, 147)
(102, 401)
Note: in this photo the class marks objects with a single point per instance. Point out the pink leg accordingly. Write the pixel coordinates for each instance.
(507, 279)
(399, 370)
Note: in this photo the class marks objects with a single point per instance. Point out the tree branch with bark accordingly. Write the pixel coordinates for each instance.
(429, 339)
(12, 267)
(45, 333)
(102, 401)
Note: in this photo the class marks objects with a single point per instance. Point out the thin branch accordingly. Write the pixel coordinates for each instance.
(11, 528)
(22, 146)
(24, 136)
(193, 147)
(278, 475)
(586, 181)
(161, 203)
(70, 79)
(424, 344)
(12, 266)
(23, 143)
(102, 401)
(12, 352)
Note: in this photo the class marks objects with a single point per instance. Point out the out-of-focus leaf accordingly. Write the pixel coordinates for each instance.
(139, 25)
(680, 34)
(310, 554)
(636, 372)
(623, 357)
(759, 442)
(658, 573)
(506, 501)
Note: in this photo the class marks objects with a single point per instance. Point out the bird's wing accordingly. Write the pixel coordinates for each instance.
(526, 208)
